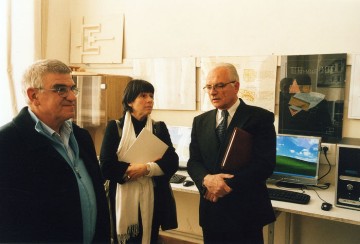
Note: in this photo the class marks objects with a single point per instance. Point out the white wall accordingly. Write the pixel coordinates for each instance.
(181, 28)
(162, 28)
(56, 29)
(198, 28)
(177, 28)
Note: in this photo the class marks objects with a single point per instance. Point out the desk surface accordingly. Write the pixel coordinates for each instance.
(312, 209)
(179, 186)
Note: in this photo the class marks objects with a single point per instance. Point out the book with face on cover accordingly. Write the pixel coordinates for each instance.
(238, 151)
(146, 148)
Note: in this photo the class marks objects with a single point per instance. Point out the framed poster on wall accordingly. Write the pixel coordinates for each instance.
(311, 99)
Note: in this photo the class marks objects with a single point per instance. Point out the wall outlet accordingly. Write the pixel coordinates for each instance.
(331, 148)
(331, 153)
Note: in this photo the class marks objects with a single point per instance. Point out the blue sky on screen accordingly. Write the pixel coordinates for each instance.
(304, 148)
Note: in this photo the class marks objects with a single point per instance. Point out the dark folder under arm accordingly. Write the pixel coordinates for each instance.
(238, 151)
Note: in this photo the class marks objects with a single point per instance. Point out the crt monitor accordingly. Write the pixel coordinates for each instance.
(297, 160)
(180, 138)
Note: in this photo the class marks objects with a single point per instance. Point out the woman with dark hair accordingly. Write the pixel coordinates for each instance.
(140, 194)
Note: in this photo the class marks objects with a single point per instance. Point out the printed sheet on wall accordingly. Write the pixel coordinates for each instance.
(257, 79)
(174, 80)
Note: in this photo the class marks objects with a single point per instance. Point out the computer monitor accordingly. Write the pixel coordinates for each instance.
(181, 137)
(297, 160)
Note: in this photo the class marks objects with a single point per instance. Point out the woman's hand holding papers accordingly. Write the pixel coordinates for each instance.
(135, 171)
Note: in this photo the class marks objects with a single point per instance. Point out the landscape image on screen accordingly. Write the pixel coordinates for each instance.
(297, 156)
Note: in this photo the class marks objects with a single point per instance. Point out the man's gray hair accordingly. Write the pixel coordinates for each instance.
(33, 76)
(233, 74)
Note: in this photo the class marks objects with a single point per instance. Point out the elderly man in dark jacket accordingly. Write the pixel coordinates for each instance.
(50, 182)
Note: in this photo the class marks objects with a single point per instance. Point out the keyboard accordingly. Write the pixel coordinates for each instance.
(176, 178)
(288, 196)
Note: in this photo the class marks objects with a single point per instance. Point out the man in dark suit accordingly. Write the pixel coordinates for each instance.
(234, 206)
(51, 189)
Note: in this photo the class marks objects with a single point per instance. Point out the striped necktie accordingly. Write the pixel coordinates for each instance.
(221, 129)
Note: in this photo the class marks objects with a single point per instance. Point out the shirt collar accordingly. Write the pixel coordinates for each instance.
(231, 110)
(41, 127)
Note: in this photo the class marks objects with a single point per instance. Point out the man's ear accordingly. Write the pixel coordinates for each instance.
(237, 86)
(32, 94)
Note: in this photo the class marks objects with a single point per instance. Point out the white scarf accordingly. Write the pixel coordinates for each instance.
(133, 194)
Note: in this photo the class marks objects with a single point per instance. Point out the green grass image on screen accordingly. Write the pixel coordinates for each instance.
(295, 166)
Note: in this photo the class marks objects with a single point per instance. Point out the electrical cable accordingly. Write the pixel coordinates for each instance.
(325, 150)
(318, 195)
(322, 187)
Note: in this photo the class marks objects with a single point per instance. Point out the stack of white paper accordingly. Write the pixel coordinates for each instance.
(146, 148)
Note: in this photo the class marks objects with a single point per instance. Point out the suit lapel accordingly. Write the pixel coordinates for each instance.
(36, 144)
(241, 116)
(210, 125)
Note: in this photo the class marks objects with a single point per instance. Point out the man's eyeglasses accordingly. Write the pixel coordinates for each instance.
(218, 86)
(63, 91)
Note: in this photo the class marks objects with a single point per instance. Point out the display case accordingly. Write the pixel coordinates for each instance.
(98, 102)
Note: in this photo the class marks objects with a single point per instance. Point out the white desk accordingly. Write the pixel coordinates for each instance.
(313, 209)
(179, 186)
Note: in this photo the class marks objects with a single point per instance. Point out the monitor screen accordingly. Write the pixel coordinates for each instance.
(180, 138)
(297, 159)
